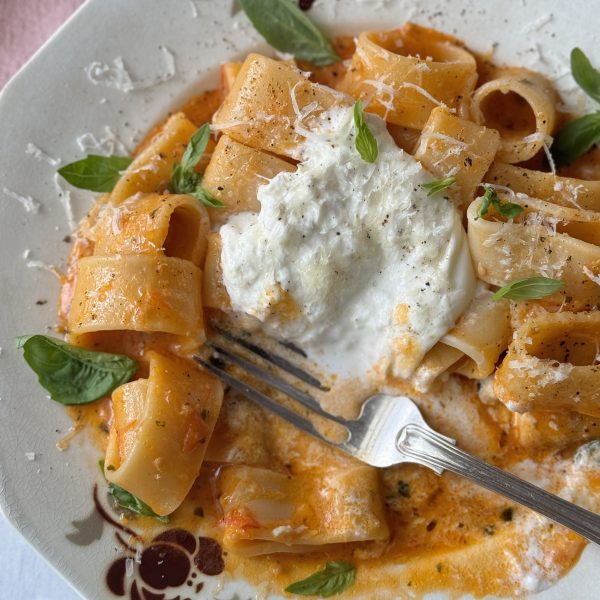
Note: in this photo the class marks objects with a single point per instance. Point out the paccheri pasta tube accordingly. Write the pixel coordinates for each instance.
(160, 431)
(521, 106)
(552, 365)
(403, 74)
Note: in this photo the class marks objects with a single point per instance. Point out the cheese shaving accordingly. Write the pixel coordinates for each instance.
(590, 274)
(29, 204)
(38, 264)
(118, 77)
(538, 24)
(194, 9)
(40, 155)
(426, 94)
(108, 144)
(64, 197)
(544, 370)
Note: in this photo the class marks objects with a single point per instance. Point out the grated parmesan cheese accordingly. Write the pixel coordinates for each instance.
(64, 197)
(118, 77)
(194, 8)
(108, 144)
(383, 89)
(545, 371)
(40, 155)
(426, 94)
(129, 567)
(590, 274)
(29, 204)
(538, 24)
(38, 264)
(284, 529)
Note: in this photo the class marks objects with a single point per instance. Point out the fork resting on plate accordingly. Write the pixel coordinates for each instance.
(388, 431)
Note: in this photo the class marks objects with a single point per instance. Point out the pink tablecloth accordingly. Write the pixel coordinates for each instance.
(24, 26)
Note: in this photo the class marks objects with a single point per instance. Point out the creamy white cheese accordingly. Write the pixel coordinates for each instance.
(351, 260)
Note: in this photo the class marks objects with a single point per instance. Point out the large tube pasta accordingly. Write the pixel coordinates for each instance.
(546, 239)
(473, 346)
(151, 169)
(140, 293)
(403, 74)
(270, 104)
(160, 431)
(234, 174)
(521, 106)
(265, 511)
(552, 365)
(482, 334)
(449, 145)
(146, 224)
(565, 191)
(439, 360)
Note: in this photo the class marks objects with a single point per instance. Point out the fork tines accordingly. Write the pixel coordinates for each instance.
(223, 358)
(273, 358)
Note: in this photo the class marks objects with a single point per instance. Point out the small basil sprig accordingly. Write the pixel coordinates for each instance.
(434, 187)
(578, 136)
(184, 177)
(74, 375)
(530, 288)
(506, 209)
(337, 576)
(130, 502)
(366, 143)
(288, 29)
(95, 173)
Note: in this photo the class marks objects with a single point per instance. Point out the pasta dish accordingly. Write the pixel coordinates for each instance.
(407, 213)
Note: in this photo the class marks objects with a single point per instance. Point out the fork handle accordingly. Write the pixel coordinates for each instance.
(428, 448)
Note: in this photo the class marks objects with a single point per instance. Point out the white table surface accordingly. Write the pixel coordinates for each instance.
(24, 574)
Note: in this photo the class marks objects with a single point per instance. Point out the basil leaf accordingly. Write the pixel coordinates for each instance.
(184, 182)
(206, 198)
(584, 74)
(196, 147)
(437, 186)
(333, 579)
(95, 173)
(506, 209)
(576, 138)
(74, 375)
(485, 203)
(184, 177)
(288, 29)
(365, 142)
(509, 209)
(530, 288)
(127, 500)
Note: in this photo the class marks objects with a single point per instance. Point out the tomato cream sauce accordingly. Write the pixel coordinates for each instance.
(445, 532)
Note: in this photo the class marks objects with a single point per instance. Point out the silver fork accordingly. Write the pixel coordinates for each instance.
(388, 431)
